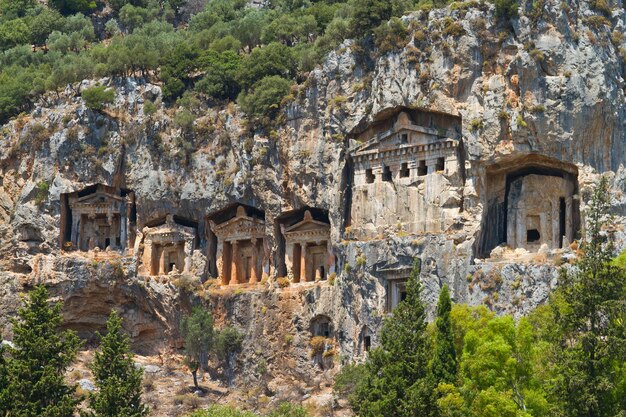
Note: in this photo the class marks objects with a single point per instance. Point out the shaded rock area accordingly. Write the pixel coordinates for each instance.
(549, 90)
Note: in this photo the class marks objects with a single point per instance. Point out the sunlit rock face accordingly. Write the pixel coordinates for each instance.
(506, 131)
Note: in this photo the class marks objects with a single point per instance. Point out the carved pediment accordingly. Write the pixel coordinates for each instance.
(308, 229)
(169, 232)
(239, 228)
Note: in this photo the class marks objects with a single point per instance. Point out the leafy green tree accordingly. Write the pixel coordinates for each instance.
(12, 9)
(444, 365)
(13, 33)
(98, 96)
(117, 378)
(177, 66)
(221, 70)
(273, 59)
(368, 14)
(44, 23)
(73, 6)
(197, 330)
(498, 369)
(397, 381)
(290, 30)
(263, 101)
(589, 312)
(35, 384)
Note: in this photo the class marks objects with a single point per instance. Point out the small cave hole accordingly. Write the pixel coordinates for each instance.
(532, 235)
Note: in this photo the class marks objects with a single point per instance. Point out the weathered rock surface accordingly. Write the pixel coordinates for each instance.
(554, 86)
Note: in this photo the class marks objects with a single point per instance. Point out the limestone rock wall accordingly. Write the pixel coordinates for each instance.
(553, 85)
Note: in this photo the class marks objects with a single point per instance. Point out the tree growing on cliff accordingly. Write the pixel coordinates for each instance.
(116, 376)
(444, 366)
(197, 330)
(34, 383)
(397, 380)
(589, 311)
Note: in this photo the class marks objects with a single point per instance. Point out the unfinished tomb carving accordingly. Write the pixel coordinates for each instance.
(241, 255)
(407, 172)
(308, 250)
(168, 247)
(98, 217)
(531, 201)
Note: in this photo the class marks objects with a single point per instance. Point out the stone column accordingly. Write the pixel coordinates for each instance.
(330, 259)
(162, 267)
(569, 227)
(188, 254)
(556, 223)
(255, 256)
(303, 263)
(147, 257)
(75, 235)
(123, 227)
(545, 226)
(520, 228)
(234, 259)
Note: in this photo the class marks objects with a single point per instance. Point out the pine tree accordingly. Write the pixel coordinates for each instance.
(35, 367)
(444, 366)
(116, 376)
(589, 313)
(398, 382)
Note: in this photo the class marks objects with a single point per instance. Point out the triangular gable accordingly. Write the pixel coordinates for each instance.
(307, 225)
(239, 223)
(99, 197)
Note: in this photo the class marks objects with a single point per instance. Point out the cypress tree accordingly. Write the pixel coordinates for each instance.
(34, 380)
(116, 376)
(444, 366)
(397, 381)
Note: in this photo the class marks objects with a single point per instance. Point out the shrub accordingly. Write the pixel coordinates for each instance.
(42, 192)
(597, 22)
(391, 36)
(452, 28)
(506, 9)
(283, 282)
(97, 97)
(289, 410)
(221, 411)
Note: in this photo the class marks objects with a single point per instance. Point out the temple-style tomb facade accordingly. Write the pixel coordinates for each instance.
(532, 200)
(167, 247)
(406, 172)
(308, 250)
(240, 253)
(98, 217)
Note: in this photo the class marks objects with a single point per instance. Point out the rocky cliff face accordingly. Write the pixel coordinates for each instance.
(552, 85)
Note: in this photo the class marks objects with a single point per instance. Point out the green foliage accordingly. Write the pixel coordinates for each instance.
(98, 96)
(273, 59)
(227, 342)
(289, 410)
(197, 330)
(589, 313)
(32, 379)
(263, 101)
(73, 6)
(444, 365)
(396, 382)
(391, 36)
(221, 411)
(42, 191)
(506, 9)
(117, 378)
(347, 380)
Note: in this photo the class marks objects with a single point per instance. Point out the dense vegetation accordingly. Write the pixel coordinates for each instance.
(218, 50)
(567, 358)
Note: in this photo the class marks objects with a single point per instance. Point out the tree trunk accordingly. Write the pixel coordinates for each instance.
(195, 379)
